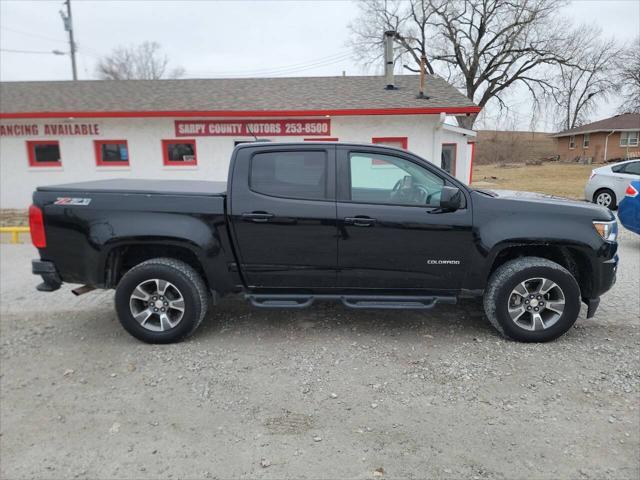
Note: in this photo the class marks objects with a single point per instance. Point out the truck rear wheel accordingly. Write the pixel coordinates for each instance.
(532, 299)
(161, 300)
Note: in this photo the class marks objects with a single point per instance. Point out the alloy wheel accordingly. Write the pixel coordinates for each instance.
(157, 305)
(536, 304)
(604, 199)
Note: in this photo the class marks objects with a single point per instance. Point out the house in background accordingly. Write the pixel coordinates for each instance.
(614, 138)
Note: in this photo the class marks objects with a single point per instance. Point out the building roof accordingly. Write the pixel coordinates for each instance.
(626, 121)
(230, 97)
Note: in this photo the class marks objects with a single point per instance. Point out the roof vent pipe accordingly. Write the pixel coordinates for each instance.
(388, 59)
(423, 74)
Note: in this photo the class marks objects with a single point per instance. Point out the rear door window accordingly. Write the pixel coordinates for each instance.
(290, 174)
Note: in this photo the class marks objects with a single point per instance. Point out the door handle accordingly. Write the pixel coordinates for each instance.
(360, 221)
(257, 217)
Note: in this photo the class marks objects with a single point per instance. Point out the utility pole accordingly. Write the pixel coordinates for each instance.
(68, 26)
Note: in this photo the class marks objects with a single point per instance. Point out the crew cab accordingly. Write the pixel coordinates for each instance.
(370, 226)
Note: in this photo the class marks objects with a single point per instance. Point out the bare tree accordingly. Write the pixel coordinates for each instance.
(142, 62)
(485, 47)
(628, 77)
(588, 79)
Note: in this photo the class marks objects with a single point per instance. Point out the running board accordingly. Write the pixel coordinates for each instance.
(280, 301)
(394, 302)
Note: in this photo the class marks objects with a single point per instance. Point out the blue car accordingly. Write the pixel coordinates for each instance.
(629, 209)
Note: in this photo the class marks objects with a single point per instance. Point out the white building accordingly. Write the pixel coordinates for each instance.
(60, 132)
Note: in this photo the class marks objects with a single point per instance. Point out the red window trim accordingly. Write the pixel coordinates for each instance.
(322, 139)
(31, 153)
(455, 157)
(403, 140)
(473, 156)
(173, 163)
(101, 163)
(245, 113)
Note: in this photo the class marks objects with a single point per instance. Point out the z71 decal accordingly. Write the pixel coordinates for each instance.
(72, 201)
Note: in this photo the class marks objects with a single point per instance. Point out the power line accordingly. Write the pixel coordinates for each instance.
(50, 52)
(319, 59)
(30, 34)
(282, 70)
(87, 51)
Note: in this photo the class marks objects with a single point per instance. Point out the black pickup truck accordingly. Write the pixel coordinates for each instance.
(369, 225)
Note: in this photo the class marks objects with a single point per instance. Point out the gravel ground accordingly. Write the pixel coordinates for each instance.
(319, 393)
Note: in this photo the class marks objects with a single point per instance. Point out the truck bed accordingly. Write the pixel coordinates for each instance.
(142, 186)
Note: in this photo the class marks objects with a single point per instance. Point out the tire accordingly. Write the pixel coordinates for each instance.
(184, 300)
(605, 197)
(525, 275)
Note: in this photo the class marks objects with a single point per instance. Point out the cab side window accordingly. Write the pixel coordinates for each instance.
(386, 179)
(301, 174)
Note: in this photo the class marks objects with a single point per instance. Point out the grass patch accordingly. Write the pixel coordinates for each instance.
(562, 179)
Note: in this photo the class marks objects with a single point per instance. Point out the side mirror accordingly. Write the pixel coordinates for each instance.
(450, 199)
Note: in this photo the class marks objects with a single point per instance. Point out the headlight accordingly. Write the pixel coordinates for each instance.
(607, 230)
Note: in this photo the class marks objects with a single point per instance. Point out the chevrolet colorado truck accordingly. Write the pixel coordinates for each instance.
(368, 225)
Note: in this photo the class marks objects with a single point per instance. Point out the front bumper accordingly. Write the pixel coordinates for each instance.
(603, 280)
(606, 277)
(51, 280)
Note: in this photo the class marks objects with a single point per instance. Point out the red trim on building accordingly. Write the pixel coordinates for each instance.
(455, 157)
(322, 139)
(473, 156)
(31, 153)
(178, 163)
(404, 141)
(97, 144)
(245, 113)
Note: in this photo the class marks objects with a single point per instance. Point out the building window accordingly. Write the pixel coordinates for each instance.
(629, 139)
(399, 142)
(572, 142)
(111, 153)
(322, 139)
(179, 152)
(448, 157)
(586, 140)
(44, 153)
(290, 174)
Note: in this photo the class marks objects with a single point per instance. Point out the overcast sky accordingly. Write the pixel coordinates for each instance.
(230, 38)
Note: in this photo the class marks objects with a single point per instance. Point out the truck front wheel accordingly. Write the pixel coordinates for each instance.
(532, 299)
(161, 300)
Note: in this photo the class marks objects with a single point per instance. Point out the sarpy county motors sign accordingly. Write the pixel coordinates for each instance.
(249, 128)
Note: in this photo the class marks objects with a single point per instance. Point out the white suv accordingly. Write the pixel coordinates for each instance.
(607, 184)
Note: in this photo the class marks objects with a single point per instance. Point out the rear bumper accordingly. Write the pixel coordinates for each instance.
(51, 280)
(589, 190)
(629, 214)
